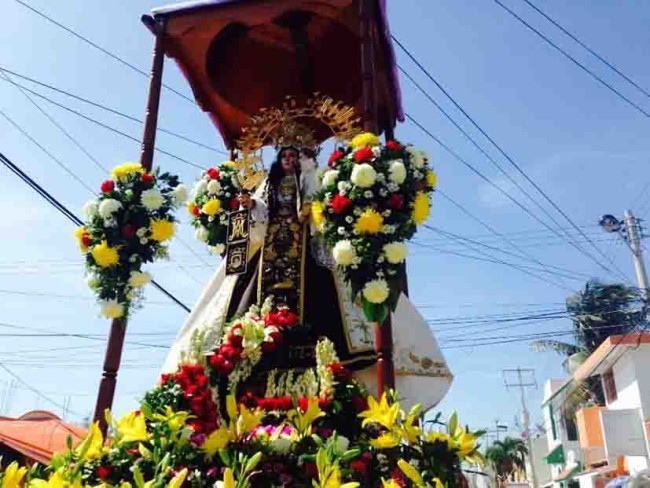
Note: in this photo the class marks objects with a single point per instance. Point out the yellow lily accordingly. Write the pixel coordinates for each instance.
(434, 436)
(302, 421)
(91, 447)
(381, 413)
(13, 475)
(175, 420)
(132, 428)
(242, 420)
(411, 473)
(217, 441)
(56, 480)
(410, 431)
(386, 441)
(465, 442)
(228, 480)
(177, 481)
(329, 473)
(391, 483)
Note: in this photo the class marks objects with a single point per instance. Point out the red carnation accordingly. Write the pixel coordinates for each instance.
(303, 403)
(128, 231)
(103, 472)
(396, 201)
(284, 403)
(234, 203)
(217, 360)
(107, 186)
(363, 154)
(359, 466)
(85, 239)
(265, 403)
(393, 146)
(336, 155)
(230, 352)
(227, 367)
(213, 173)
(147, 178)
(340, 204)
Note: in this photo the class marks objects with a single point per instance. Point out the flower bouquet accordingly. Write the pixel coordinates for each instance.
(371, 201)
(128, 224)
(214, 194)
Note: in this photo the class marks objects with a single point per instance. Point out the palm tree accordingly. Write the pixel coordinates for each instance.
(507, 457)
(598, 311)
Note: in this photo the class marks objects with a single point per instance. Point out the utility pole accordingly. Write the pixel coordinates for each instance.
(519, 382)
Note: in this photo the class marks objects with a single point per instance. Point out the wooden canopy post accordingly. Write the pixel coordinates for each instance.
(114, 348)
(383, 332)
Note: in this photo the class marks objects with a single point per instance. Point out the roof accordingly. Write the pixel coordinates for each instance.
(38, 434)
(609, 352)
(240, 56)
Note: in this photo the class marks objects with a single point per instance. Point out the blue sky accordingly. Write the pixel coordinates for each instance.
(586, 148)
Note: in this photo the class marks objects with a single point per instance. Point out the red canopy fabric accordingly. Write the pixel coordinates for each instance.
(243, 55)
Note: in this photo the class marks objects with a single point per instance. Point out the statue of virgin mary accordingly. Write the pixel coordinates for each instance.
(289, 265)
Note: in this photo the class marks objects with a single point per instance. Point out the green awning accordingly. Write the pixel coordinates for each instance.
(568, 473)
(556, 456)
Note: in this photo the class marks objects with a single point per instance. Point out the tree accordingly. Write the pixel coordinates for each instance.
(598, 311)
(507, 457)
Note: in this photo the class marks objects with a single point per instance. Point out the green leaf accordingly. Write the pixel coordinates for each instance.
(452, 424)
(253, 462)
(145, 408)
(137, 477)
(350, 455)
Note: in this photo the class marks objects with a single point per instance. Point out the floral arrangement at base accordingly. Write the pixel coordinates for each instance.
(322, 430)
(371, 201)
(214, 195)
(128, 225)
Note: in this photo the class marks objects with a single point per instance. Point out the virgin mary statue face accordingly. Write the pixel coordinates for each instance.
(289, 160)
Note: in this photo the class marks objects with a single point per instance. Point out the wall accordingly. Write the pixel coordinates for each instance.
(626, 385)
(542, 470)
(641, 359)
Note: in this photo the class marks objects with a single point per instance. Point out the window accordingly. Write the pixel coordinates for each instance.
(609, 386)
(571, 428)
(553, 426)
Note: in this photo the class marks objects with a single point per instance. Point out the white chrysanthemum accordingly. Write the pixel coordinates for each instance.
(344, 253)
(181, 194)
(397, 172)
(152, 199)
(363, 175)
(395, 252)
(200, 187)
(417, 156)
(330, 177)
(138, 279)
(90, 208)
(202, 234)
(93, 282)
(376, 291)
(217, 250)
(213, 187)
(343, 186)
(112, 309)
(108, 207)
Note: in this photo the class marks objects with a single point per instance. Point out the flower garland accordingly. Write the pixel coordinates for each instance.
(371, 201)
(129, 224)
(214, 194)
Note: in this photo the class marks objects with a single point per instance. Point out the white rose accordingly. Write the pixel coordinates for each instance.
(139, 279)
(329, 178)
(342, 444)
(108, 207)
(90, 208)
(112, 309)
(281, 445)
(376, 291)
(395, 252)
(344, 253)
(217, 250)
(181, 194)
(342, 186)
(152, 199)
(202, 234)
(397, 172)
(213, 187)
(363, 175)
(200, 187)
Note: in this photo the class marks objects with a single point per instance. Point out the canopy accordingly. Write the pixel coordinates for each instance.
(243, 55)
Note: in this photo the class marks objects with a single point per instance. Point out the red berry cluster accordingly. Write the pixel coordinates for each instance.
(194, 382)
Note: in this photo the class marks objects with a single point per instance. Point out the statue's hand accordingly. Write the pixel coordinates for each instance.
(246, 201)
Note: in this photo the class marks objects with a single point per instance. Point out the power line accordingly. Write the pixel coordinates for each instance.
(575, 61)
(64, 210)
(101, 49)
(585, 46)
(110, 110)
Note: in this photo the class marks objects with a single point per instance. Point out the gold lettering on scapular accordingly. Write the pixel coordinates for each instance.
(238, 228)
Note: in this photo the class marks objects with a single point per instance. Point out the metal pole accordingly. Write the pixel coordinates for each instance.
(525, 420)
(634, 239)
(115, 344)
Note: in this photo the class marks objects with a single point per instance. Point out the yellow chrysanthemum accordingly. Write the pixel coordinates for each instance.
(365, 139)
(369, 222)
(211, 207)
(229, 164)
(318, 214)
(122, 171)
(162, 230)
(421, 208)
(432, 179)
(81, 234)
(104, 255)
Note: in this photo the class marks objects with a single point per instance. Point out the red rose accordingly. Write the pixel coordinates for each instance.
(396, 201)
(227, 367)
(217, 360)
(303, 403)
(128, 231)
(393, 146)
(340, 204)
(107, 186)
(234, 203)
(103, 472)
(146, 178)
(85, 239)
(266, 403)
(235, 340)
(213, 173)
(336, 155)
(359, 466)
(284, 403)
(230, 352)
(363, 154)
